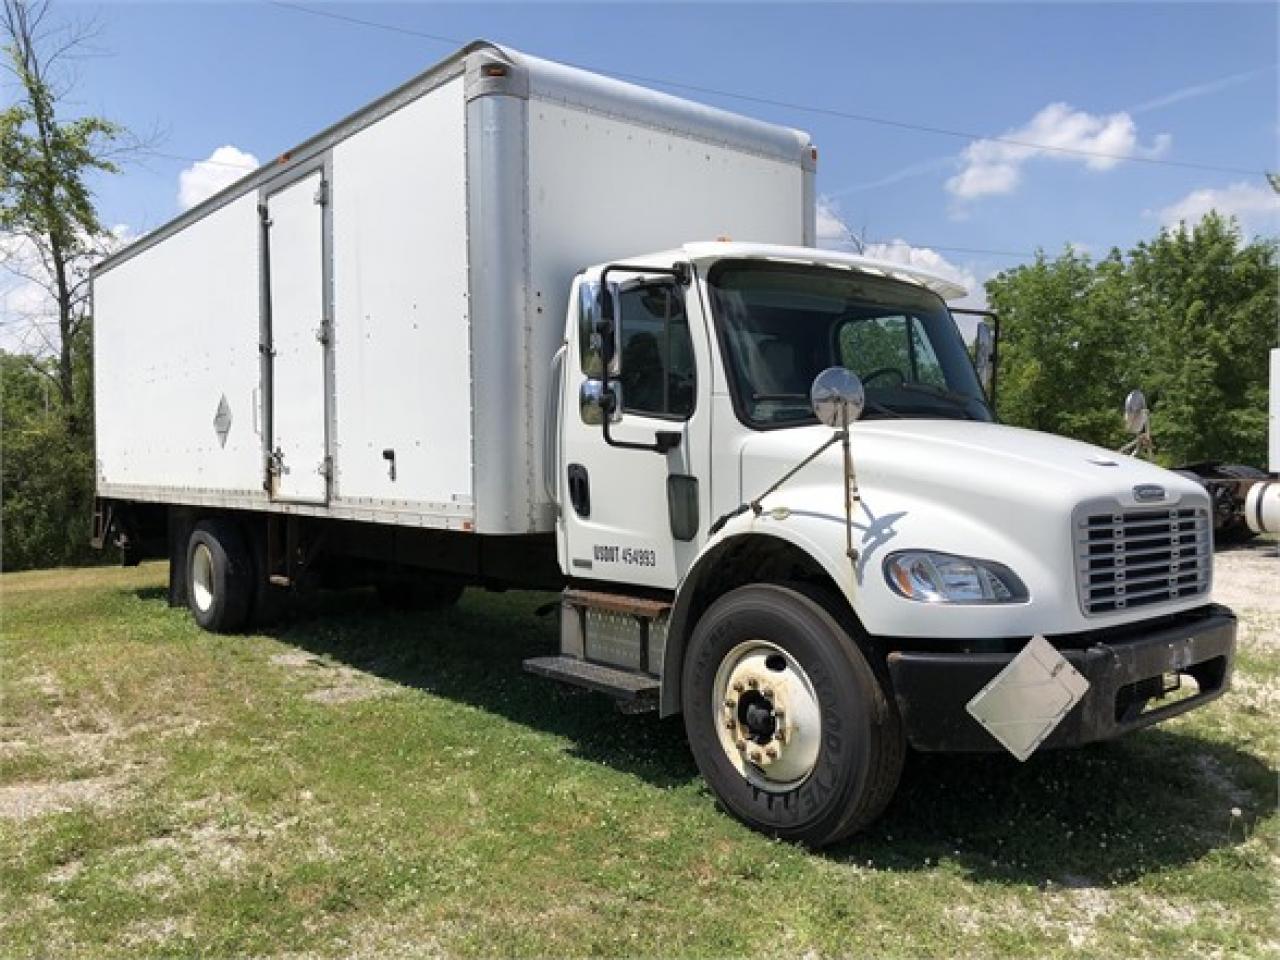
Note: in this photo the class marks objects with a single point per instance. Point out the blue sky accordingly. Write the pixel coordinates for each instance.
(1185, 82)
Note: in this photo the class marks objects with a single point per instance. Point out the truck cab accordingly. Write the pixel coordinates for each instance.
(815, 596)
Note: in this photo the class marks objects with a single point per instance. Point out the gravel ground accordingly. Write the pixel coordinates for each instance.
(1248, 577)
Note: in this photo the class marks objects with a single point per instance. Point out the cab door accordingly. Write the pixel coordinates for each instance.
(635, 516)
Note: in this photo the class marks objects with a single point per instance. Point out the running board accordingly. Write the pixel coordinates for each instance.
(635, 692)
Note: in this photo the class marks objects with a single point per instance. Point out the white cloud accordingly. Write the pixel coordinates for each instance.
(1257, 207)
(28, 313)
(995, 166)
(204, 178)
(926, 258)
(833, 233)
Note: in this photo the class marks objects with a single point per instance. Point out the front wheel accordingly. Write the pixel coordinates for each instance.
(786, 719)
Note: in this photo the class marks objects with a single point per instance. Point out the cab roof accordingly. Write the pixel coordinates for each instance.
(707, 251)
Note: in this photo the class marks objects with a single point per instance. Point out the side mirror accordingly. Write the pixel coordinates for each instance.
(598, 326)
(984, 356)
(594, 402)
(1136, 416)
(837, 397)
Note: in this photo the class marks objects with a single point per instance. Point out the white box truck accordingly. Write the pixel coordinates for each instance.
(491, 331)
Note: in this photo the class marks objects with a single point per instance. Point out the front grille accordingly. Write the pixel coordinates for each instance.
(1135, 558)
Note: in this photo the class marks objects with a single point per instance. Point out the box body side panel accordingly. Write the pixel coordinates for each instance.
(402, 372)
(604, 189)
(176, 330)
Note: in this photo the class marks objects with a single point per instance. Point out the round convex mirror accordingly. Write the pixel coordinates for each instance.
(1135, 411)
(837, 397)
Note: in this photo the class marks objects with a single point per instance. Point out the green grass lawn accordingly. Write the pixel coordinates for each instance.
(379, 784)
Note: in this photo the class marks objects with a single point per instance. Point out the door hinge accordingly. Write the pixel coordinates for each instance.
(275, 468)
(325, 469)
(322, 193)
(322, 332)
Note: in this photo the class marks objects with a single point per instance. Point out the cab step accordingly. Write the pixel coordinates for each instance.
(635, 692)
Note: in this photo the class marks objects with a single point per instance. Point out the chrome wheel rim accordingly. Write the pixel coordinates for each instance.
(202, 577)
(766, 715)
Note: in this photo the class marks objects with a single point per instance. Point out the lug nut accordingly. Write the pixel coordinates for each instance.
(753, 683)
(730, 725)
(767, 693)
(742, 746)
(756, 756)
(737, 686)
(772, 753)
(730, 703)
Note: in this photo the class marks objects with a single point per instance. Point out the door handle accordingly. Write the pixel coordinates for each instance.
(579, 489)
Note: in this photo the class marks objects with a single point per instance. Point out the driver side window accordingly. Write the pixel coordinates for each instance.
(655, 352)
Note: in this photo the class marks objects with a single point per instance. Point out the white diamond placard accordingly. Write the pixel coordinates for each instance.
(222, 420)
(1026, 700)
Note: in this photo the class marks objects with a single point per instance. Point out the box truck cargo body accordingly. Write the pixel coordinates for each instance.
(380, 306)
(519, 325)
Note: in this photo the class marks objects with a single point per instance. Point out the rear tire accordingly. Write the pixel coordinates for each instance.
(219, 576)
(846, 770)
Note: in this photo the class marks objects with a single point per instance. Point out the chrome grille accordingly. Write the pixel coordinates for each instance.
(1134, 558)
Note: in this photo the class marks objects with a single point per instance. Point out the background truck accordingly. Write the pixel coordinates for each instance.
(1246, 499)
(482, 333)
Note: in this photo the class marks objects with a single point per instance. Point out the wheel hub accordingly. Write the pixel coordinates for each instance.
(202, 576)
(768, 716)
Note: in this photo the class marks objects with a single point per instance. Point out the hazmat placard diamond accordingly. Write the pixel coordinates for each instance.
(1026, 700)
(222, 420)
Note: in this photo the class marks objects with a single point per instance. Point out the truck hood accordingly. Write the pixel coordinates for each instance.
(946, 458)
(974, 489)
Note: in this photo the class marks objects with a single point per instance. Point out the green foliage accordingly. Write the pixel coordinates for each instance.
(46, 501)
(1188, 317)
(44, 162)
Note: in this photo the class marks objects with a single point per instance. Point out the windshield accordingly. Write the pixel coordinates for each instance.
(782, 324)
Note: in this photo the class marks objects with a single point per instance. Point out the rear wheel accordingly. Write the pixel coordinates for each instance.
(219, 576)
(786, 718)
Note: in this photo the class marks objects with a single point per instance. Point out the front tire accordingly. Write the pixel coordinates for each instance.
(786, 719)
(219, 576)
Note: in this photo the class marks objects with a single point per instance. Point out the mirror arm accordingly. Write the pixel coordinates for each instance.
(682, 273)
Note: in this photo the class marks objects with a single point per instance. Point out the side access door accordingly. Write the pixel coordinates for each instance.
(633, 516)
(296, 337)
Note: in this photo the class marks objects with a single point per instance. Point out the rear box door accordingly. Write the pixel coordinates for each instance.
(298, 463)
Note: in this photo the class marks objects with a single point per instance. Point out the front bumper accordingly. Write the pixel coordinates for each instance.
(1124, 673)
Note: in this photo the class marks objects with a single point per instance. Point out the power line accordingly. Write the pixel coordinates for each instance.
(1016, 254)
(806, 108)
(217, 163)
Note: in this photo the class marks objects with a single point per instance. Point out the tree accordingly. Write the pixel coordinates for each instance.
(46, 472)
(1208, 304)
(45, 201)
(1067, 348)
(1187, 316)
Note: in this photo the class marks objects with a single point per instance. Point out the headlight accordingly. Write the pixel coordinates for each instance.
(945, 578)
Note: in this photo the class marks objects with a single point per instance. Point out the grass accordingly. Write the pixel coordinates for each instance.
(360, 782)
